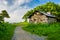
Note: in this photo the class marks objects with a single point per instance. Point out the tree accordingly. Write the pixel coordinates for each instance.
(49, 6)
(3, 15)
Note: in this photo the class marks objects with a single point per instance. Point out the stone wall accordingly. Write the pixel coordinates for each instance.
(38, 18)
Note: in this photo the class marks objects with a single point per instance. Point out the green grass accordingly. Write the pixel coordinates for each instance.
(22, 24)
(6, 31)
(52, 31)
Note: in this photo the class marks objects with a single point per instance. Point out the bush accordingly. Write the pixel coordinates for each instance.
(6, 31)
(51, 30)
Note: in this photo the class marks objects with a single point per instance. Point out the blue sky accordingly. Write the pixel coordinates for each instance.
(34, 3)
(17, 8)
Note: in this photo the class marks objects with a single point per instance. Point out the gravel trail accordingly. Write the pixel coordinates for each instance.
(20, 34)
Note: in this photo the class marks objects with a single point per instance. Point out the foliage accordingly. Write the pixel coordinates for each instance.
(3, 15)
(51, 30)
(48, 7)
(6, 31)
(1, 18)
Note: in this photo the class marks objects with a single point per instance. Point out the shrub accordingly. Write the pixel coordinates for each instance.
(6, 31)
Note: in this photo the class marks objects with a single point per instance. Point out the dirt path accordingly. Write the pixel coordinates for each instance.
(20, 34)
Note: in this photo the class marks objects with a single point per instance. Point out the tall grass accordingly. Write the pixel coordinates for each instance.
(6, 31)
(52, 31)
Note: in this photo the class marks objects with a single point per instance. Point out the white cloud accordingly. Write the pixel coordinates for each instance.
(17, 15)
(22, 1)
(5, 2)
(3, 5)
(17, 3)
(15, 11)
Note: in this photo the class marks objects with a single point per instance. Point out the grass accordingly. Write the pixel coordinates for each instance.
(22, 24)
(52, 31)
(6, 31)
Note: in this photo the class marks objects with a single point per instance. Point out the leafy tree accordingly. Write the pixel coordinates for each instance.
(49, 6)
(3, 15)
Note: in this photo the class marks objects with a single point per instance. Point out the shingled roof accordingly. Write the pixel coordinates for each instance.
(48, 15)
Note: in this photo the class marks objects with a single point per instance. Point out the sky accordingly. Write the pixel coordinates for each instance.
(17, 8)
